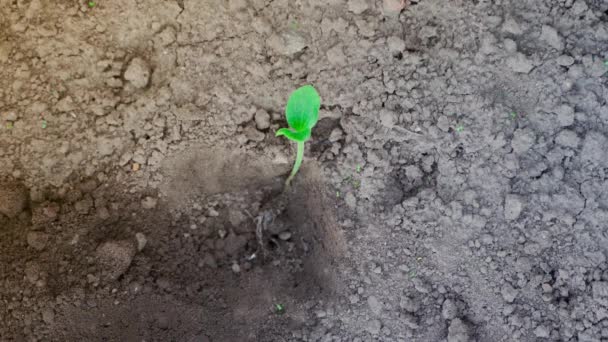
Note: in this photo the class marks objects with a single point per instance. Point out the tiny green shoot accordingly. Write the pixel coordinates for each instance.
(302, 112)
(358, 169)
(513, 115)
(44, 124)
(606, 62)
(279, 308)
(92, 4)
(459, 128)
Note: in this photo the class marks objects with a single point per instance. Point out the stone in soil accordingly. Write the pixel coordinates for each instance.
(520, 63)
(138, 73)
(358, 6)
(393, 7)
(449, 310)
(285, 235)
(115, 257)
(508, 293)
(541, 331)
(375, 305)
(149, 203)
(458, 331)
(408, 304)
(141, 241)
(48, 316)
(513, 207)
(523, 140)
(287, 43)
(262, 119)
(550, 36)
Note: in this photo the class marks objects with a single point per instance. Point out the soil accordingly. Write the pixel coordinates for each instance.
(455, 188)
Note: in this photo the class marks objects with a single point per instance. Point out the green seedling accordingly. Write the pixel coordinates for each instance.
(302, 112)
(92, 4)
(358, 169)
(44, 124)
(459, 128)
(513, 115)
(279, 309)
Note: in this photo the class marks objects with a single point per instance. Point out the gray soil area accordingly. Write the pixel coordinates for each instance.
(454, 189)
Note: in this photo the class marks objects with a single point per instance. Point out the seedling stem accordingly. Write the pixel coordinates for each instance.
(298, 163)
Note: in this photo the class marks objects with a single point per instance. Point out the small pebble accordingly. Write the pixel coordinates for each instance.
(149, 203)
(48, 316)
(375, 305)
(222, 233)
(285, 235)
(141, 241)
(138, 73)
(449, 310)
(262, 119)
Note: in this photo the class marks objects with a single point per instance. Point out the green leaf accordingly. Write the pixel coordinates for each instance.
(302, 109)
(295, 136)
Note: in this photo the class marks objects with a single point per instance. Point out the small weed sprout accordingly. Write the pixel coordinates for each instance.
(302, 112)
(279, 309)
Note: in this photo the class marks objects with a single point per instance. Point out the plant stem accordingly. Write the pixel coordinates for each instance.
(298, 163)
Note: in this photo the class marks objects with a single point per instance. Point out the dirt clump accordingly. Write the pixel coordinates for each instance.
(13, 199)
(115, 257)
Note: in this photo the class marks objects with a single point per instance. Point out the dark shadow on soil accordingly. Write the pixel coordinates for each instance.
(184, 285)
